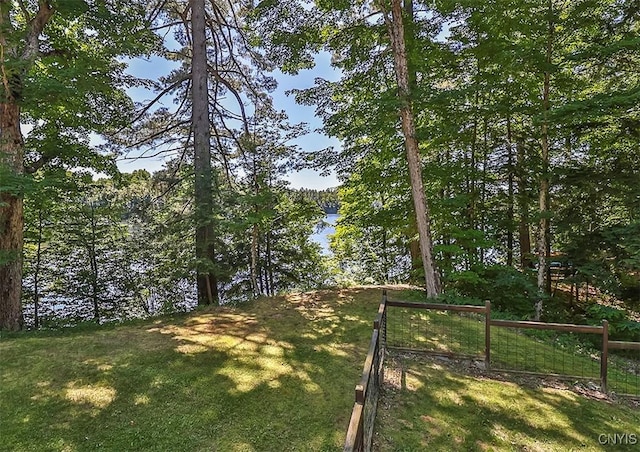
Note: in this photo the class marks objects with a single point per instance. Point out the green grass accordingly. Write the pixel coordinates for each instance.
(427, 405)
(511, 349)
(278, 374)
(432, 404)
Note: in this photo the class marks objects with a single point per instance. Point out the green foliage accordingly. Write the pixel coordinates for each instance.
(370, 241)
(620, 326)
(453, 297)
(600, 312)
(75, 86)
(327, 199)
(607, 256)
(477, 70)
(508, 289)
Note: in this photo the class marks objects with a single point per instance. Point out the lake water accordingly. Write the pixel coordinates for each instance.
(326, 228)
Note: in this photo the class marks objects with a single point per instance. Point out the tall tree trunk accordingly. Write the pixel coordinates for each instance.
(414, 244)
(15, 60)
(543, 198)
(11, 219)
(93, 263)
(483, 187)
(254, 260)
(272, 285)
(260, 270)
(524, 233)
(36, 272)
(396, 31)
(255, 231)
(509, 194)
(205, 251)
(472, 186)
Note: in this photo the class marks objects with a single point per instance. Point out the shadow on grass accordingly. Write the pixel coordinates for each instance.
(438, 408)
(276, 375)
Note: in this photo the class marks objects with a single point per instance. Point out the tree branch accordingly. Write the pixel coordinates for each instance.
(38, 164)
(25, 12)
(159, 96)
(36, 25)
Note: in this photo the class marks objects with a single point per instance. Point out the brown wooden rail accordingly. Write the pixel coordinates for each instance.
(567, 327)
(436, 306)
(620, 345)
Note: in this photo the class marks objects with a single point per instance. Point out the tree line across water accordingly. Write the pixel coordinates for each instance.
(519, 121)
(122, 247)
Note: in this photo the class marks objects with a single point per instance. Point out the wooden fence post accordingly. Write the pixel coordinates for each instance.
(604, 356)
(487, 335)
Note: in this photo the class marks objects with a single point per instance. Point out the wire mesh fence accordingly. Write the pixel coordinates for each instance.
(361, 424)
(560, 350)
(624, 369)
(549, 349)
(544, 352)
(437, 329)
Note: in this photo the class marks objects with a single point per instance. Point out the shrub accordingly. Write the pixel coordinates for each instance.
(620, 326)
(508, 289)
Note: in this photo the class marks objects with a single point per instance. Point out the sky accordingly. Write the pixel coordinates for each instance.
(156, 67)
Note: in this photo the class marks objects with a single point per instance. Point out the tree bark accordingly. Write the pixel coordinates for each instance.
(93, 263)
(414, 244)
(14, 63)
(524, 233)
(36, 272)
(11, 219)
(271, 288)
(472, 182)
(254, 260)
(543, 198)
(396, 31)
(205, 250)
(510, 196)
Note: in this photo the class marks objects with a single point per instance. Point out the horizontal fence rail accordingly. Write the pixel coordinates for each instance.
(459, 331)
(436, 306)
(624, 345)
(567, 327)
(469, 331)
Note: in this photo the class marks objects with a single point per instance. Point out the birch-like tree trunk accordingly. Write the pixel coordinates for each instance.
(11, 220)
(395, 27)
(543, 198)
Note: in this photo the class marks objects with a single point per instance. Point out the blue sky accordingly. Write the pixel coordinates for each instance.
(157, 67)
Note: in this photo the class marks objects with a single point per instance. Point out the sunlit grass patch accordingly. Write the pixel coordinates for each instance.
(277, 374)
(96, 396)
(451, 410)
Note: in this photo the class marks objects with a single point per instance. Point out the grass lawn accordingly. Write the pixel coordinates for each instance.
(276, 375)
(437, 404)
(512, 349)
